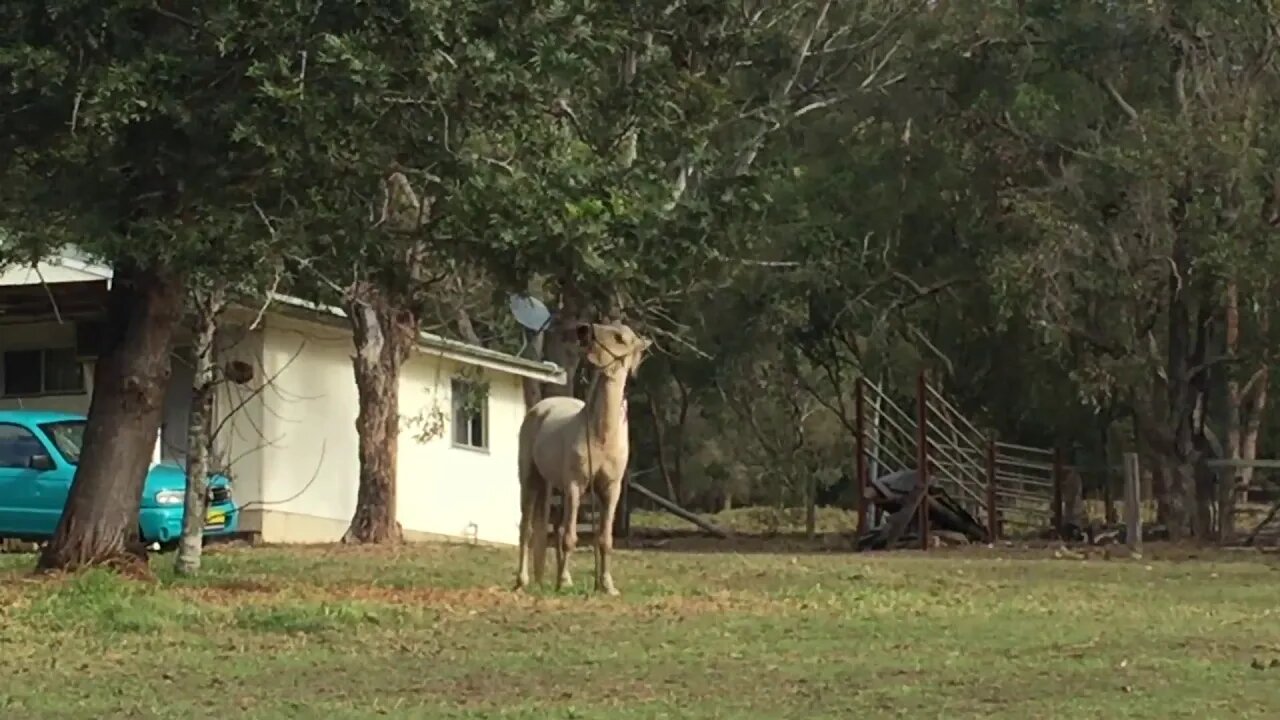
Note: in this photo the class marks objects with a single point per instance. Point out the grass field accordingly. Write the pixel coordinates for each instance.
(433, 632)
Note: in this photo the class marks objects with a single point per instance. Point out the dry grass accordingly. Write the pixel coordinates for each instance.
(771, 521)
(432, 631)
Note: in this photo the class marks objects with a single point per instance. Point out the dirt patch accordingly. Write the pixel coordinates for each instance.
(486, 689)
(231, 592)
(473, 601)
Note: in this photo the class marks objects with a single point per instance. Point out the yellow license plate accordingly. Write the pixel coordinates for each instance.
(215, 517)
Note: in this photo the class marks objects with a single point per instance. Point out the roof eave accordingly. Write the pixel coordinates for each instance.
(434, 345)
(428, 343)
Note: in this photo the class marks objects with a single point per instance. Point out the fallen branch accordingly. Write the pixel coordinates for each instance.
(899, 521)
(1253, 536)
(678, 511)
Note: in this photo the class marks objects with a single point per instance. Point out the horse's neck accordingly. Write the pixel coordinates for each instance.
(607, 409)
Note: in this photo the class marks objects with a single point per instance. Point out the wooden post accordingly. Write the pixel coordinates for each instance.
(993, 519)
(1132, 502)
(922, 455)
(860, 447)
(1057, 491)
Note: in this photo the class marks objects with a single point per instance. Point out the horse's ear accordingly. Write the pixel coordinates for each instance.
(583, 333)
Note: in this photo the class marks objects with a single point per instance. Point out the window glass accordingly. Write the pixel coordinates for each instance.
(62, 371)
(17, 445)
(22, 372)
(68, 437)
(36, 372)
(470, 414)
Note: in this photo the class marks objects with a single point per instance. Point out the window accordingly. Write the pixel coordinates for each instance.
(42, 372)
(67, 436)
(470, 414)
(17, 445)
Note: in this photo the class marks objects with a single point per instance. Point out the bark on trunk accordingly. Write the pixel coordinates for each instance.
(1232, 415)
(811, 506)
(660, 446)
(682, 425)
(383, 336)
(1174, 423)
(1109, 439)
(199, 428)
(532, 389)
(1074, 510)
(1252, 424)
(99, 525)
(561, 347)
(1160, 491)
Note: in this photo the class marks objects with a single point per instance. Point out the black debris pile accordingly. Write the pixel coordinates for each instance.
(899, 495)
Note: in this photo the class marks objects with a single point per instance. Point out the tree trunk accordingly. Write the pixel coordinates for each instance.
(99, 525)
(1174, 425)
(1109, 433)
(383, 335)
(660, 447)
(1073, 499)
(811, 506)
(532, 389)
(208, 305)
(682, 425)
(560, 345)
(1252, 424)
(1246, 406)
(1160, 491)
(465, 329)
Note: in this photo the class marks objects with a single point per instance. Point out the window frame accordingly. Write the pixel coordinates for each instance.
(455, 410)
(44, 390)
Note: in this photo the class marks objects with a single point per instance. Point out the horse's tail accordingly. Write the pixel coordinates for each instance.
(541, 513)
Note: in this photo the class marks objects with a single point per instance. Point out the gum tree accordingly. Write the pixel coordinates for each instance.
(158, 139)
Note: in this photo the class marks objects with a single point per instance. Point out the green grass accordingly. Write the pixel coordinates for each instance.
(433, 632)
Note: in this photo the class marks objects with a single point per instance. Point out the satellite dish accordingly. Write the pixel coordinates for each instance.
(530, 312)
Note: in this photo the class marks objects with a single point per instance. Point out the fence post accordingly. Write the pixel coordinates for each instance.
(860, 443)
(922, 455)
(1132, 502)
(1057, 490)
(993, 520)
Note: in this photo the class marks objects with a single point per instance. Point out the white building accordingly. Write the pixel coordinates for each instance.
(288, 438)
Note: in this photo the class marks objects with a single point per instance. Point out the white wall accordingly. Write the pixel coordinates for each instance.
(452, 490)
(309, 465)
(238, 412)
(313, 468)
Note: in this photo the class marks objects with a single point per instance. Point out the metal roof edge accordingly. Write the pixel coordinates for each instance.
(456, 350)
(429, 343)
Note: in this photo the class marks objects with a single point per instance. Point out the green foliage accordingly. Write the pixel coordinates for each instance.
(788, 198)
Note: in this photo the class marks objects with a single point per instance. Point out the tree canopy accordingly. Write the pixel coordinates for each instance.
(1065, 212)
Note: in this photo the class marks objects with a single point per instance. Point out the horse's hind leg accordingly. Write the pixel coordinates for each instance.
(530, 485)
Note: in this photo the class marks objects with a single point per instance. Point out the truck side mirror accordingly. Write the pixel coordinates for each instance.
(41, 463)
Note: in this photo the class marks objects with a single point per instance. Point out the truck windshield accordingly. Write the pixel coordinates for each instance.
(67, 436)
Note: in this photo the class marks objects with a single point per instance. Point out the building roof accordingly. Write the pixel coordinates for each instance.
(81, 268)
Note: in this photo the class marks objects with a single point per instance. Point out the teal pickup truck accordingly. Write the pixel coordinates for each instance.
(38, 456)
